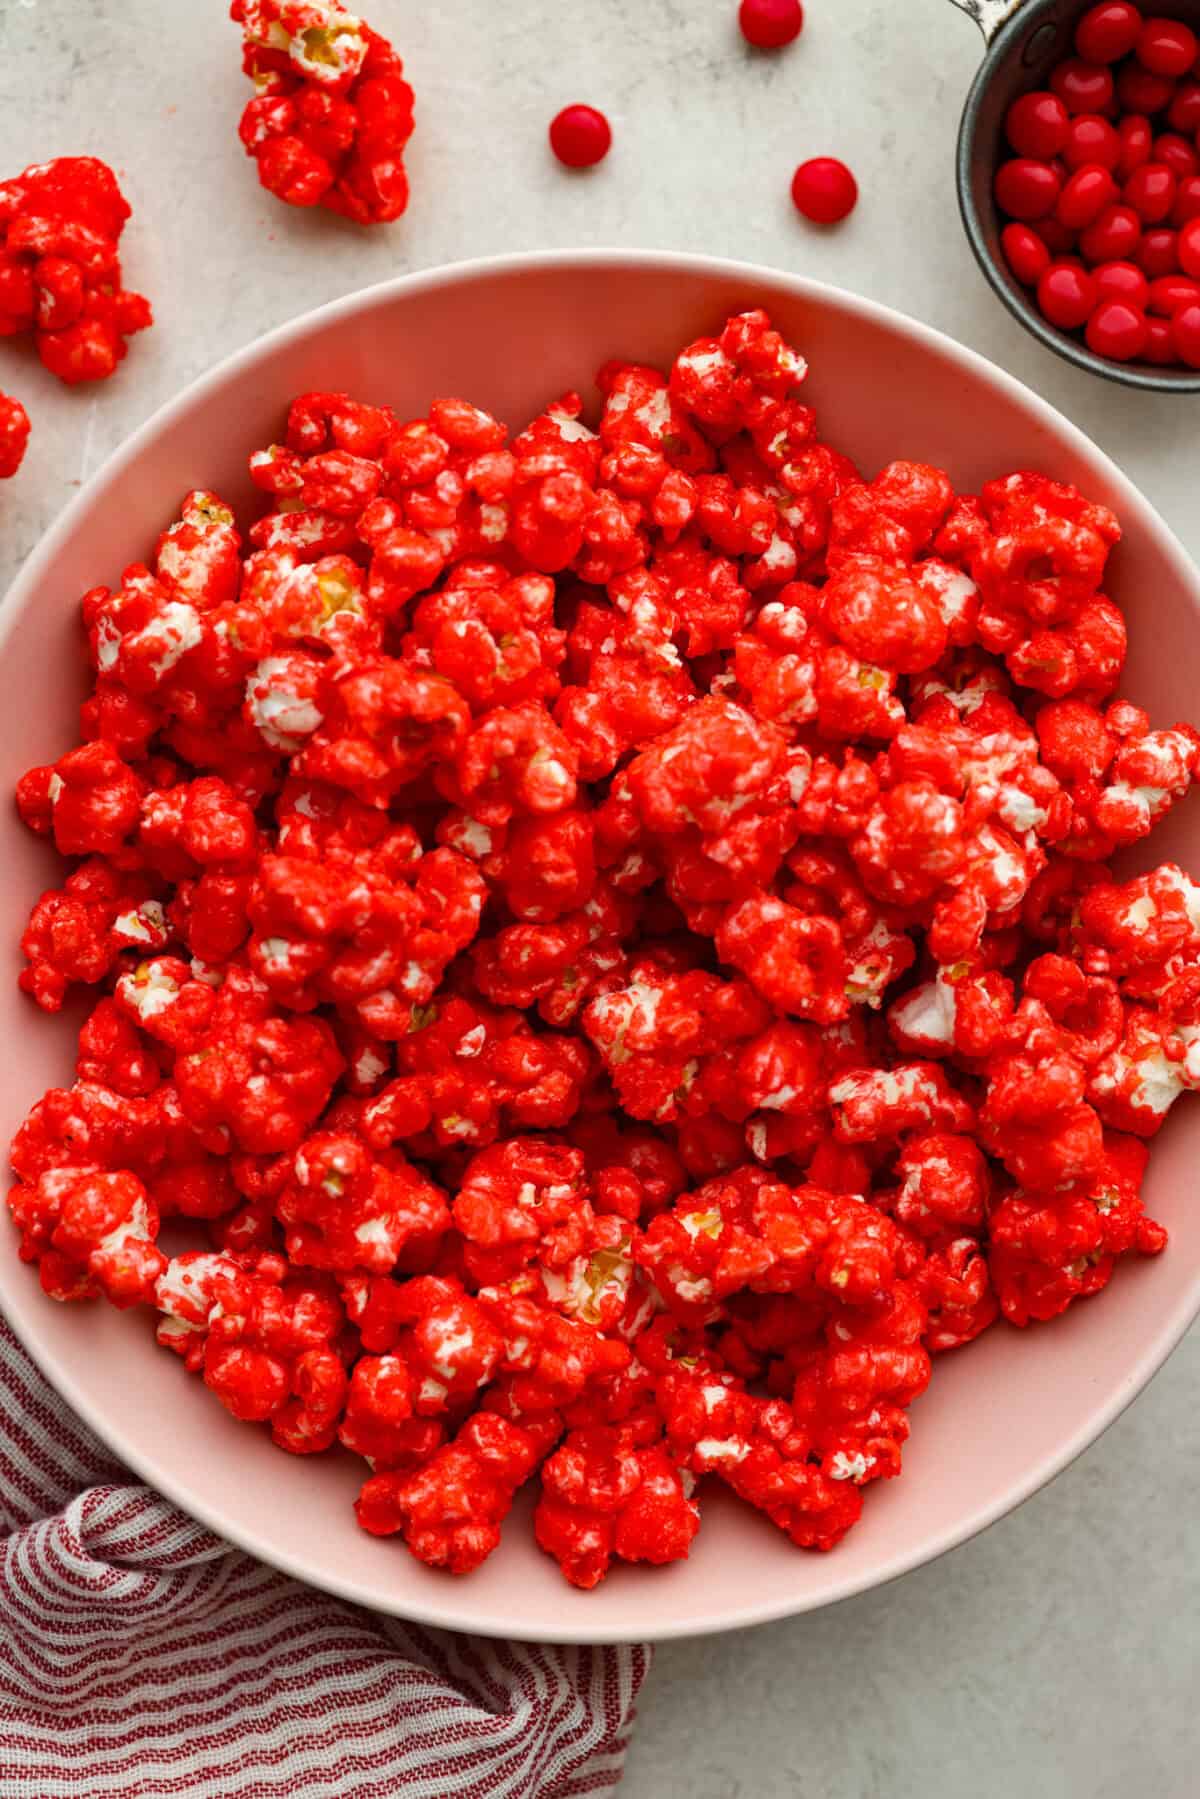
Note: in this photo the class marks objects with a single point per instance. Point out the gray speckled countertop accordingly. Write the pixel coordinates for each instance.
(1057, 1656)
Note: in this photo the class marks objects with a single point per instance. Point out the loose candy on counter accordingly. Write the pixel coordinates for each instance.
(824, 190)
(60, 273)
(603, 941)
(770, 24)
(580, 136)
(331, 112)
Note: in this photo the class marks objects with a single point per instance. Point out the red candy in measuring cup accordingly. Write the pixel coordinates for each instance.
(1099, 196)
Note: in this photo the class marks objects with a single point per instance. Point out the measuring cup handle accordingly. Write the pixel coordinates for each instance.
(989, 15)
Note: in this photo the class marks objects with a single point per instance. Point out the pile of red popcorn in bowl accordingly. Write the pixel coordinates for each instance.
(602, 943)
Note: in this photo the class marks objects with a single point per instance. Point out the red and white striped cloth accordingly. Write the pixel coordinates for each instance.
(142, 1657)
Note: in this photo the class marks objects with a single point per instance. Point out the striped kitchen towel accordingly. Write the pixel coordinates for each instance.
(141, 1657)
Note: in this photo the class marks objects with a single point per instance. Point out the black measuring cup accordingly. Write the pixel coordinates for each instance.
(1024, 39)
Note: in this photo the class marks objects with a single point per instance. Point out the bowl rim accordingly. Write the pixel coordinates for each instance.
(1142, 376)
(456, 1613)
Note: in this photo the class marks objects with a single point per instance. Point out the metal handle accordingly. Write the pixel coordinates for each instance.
(989, 15)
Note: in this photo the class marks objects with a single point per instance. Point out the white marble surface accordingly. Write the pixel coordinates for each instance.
(1056, 1657)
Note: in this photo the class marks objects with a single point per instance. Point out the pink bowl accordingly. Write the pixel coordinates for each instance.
(511, 333)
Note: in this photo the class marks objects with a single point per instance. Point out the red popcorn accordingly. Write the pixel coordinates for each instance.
(1157, 1059)
(856, 698)
(878, 1103)
(603, 935)
(209, 915)
(851, 1398)
(78, 931)
(547, 867)
(14, 435)
(201, 1188)
(756, 367)
(385, 726)
(60, 276)
(753, 1231)
(196, 825)
(378, 1423)
(779, 660)
(894, 517)
(633, 1171)
(514, 760)
(90, 1231)
(187, 1298)
(804, 1463)
(319, 420)
(601, 1286)
(956, 1289)
(716, 799)
(1050, 1249)
(944, 1184)
(519, 1199)
(85, 1126)
(1145, 778)
(797, 962)
(603, 1498)
(813, 1505)
(550, 1360)
(150, 638)
(640, 409)
(162, 997)
(112, 1051)
(780, 1069)
(883, 616)
(913, 842)
(466, 1071)
(627, 689)
(656, 1033)
(1038, 561)
(711, 602)
(717, 757)
(301, 593)
(256, 1078)
(89, 801)
(263, 1341)
(448, 1342)
(451, 1510)
(345, 1209)
(197, 557)
(831, 1242)
(1146, 932)
(497, 642)
(524, 963)
(556, 518)
(331, 114)
(354, 931)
